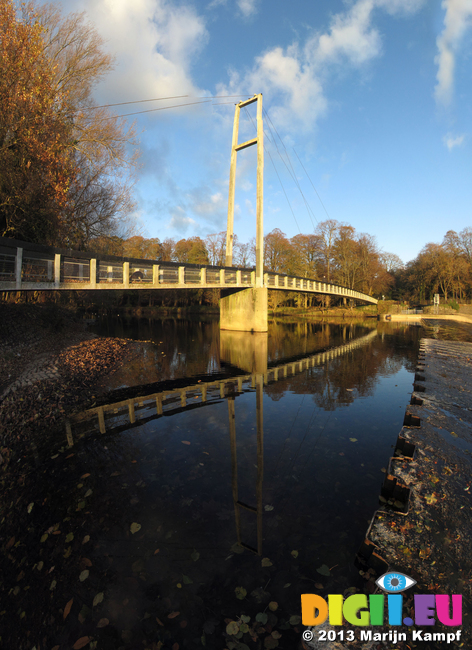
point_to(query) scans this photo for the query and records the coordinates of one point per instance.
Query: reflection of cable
(288, 436)
(315, 409)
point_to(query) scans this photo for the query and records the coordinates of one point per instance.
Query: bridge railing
(25, 266)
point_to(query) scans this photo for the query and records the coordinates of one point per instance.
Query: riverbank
(424, 527)
(50, 367)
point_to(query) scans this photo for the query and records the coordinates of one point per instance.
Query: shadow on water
(196, 512)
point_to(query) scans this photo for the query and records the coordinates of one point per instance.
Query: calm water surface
(229, 498)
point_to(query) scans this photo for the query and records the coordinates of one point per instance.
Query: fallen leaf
(186, 442)
(268, 508)
(103, 622)
(67, 609)
(195, 555)
(353, 439)
(324, 570)
(240, 592)
(85, 475)
(84, 575)
(30, 507)
(237, 548)
(173, 614)
(232, 628)
(273, 606)
(86, 539)
(134, 528)
(82, 642)
(266, 562)
(261, 618)
(69, 537)
(295, 620)
(294, 553)
(98, 599)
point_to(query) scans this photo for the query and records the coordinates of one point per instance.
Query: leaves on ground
(232, 628)
(98, 599)
(84, 575)
(134, 528)
(324, 570)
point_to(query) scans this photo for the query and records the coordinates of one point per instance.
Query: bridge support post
(244, 310)
(19, 264)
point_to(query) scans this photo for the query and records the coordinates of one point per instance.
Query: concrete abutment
(244, 310)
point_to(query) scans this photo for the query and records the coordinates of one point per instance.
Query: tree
(191, 251)
(327, 232)
(277, 251)
(306, 255)
(34, 137)
(67, 160)
(216, 248)
(346, 258)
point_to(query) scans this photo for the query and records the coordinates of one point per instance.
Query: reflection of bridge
(243, 304)
(139, 410)
(251, 355)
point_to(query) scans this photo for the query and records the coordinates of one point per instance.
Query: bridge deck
(30, 267)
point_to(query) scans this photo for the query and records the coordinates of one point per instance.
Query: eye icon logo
(394, 583)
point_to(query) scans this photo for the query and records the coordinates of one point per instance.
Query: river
(250, 481)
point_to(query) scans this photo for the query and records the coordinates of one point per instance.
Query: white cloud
(206, 205)
(294, 78)
(457, 20)
(180, 222)
(351, 36)
(155, 43)
(452, 142)
(247, 7)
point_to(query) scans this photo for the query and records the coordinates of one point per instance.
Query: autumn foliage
(61, 158)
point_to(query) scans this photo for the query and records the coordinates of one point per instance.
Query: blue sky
(374, 96)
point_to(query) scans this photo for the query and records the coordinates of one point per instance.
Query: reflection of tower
(258, 383)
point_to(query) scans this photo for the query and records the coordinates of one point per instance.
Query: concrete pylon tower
(246, 309)
(259, 141)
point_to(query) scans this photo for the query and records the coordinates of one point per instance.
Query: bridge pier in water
(244, 310)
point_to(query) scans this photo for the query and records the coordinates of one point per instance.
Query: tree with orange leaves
(64, 161)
